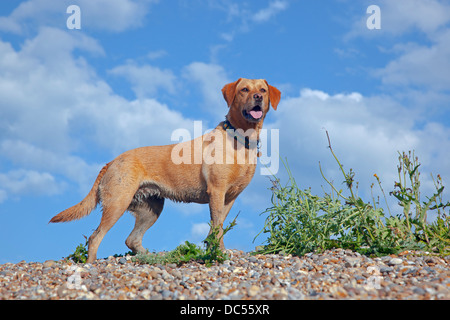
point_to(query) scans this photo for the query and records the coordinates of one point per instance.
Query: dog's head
(251, 98)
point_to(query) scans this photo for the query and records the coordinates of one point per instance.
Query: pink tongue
(256, 114)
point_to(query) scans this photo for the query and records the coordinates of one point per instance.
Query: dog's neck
(241, 123)
(241, 138)
(249, 138)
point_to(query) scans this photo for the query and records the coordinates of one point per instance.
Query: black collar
(228, 127)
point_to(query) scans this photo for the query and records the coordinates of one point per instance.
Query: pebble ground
(336, 274)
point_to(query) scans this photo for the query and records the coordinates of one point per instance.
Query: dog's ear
(274, 96)
(229, 91)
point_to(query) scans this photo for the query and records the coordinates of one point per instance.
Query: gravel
(335, 274)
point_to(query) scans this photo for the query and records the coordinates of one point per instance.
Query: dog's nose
(258, 97)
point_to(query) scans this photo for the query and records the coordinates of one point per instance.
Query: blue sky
(72, 100)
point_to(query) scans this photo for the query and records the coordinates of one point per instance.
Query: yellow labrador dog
(213, 168)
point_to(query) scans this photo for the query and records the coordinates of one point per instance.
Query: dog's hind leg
(116, 192)
(146, 213)
(110, 216)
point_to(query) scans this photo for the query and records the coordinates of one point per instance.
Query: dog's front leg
(219, 211)
(216, 208)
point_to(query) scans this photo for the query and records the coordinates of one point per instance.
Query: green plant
(191, 252)
(183, 253)
(128, 253)
(436, 235)
(80, 254)
(299, 222)
(212, 242)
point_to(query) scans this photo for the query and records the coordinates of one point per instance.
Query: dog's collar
(228, 127)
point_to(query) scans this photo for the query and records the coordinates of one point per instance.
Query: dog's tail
(86, 205)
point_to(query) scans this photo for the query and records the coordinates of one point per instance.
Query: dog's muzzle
(255, 114)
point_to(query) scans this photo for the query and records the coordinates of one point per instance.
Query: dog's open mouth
(255, 114)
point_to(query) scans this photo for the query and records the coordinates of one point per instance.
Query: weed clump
(299, 222)
(188, 252)
(184, 253)
(80, 254)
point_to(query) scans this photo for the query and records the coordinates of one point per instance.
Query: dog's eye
(244, 90)
(263, 90)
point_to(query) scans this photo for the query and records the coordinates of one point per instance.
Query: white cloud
(32, 157)
(146, 80)
(417, 63)
(200, 230)
(41, 84)
(153, 55)
(211, 78)
(114, 16)
(20, 182)
(365, 132)
(3, 195)
(242, 10)
(241, 15)
(420, 65)
(187, 209)
(135, 124)
(55, 106)
(403, 17)
(117, 15)
(274, 8)
(50, 95)
(36, 12)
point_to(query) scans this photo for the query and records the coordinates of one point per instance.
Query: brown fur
(140, 179)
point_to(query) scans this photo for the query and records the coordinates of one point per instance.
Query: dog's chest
(239, 181)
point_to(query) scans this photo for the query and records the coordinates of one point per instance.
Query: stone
(386, 269)
(49, 264)
(395, 261)
(166, 294)
(253, 291)
(240, 278)
(419, 291)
